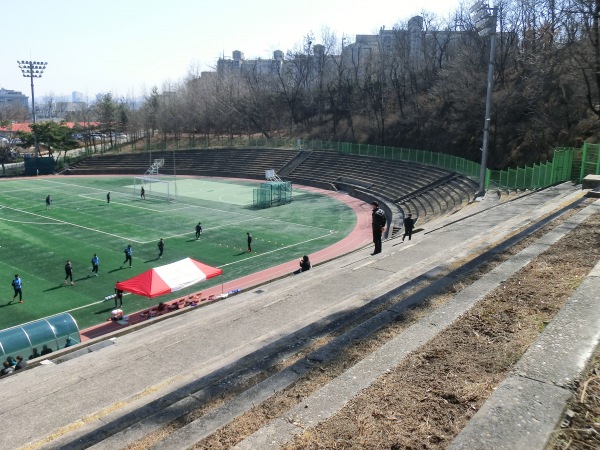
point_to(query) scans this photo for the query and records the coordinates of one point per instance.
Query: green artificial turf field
(36, 242)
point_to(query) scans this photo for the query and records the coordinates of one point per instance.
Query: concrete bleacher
(228, 162)
(388, 178)
(424, 191)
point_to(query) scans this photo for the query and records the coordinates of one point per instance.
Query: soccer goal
(156, 188)
(273, 193)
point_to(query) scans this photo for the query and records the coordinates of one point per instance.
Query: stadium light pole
(33, 69)
(485, 23)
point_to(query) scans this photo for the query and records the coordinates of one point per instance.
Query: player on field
(69, 272)
(48, 202)
(161, 247)
(95, 265)
(198, 230)
(128, 255)
(17, 285)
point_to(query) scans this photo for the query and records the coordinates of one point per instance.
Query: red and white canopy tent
(169, 278)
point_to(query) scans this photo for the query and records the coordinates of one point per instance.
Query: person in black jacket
(378, 224)
(118, 297)
(69, 272)
(161, 247)
(305, 264)
(409, 224)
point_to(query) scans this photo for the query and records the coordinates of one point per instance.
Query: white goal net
(155, 188)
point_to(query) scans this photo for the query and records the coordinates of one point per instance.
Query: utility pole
(33, 69)
(485, 22)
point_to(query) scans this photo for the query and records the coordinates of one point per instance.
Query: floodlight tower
(485, 18)
(33, 69)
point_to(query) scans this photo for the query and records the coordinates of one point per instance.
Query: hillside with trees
(546, 88)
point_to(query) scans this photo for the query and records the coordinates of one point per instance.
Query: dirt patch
(581, 424)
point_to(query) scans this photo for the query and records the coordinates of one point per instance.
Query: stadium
(246, 343)
(178, 194)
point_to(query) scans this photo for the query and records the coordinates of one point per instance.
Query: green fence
(532, 177)
(537, 176)
(566, 164)
(590, 160)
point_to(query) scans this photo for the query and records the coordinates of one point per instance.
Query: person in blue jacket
(17, 285)
(128, 256)
(95, 265)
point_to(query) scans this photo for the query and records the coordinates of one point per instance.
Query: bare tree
(582, 31)
(14, 113)
(294, 81)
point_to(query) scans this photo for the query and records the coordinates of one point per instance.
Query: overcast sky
(128, 46)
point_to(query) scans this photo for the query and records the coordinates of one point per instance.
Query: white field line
(276, 250)
(140, 207)
(203, 230)
(94, 303)
(28, 223)
(21, 190)
(71, 184)
(197, 206)
(58, 221)
(160, 211)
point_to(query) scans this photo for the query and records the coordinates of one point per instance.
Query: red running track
(358, 238)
